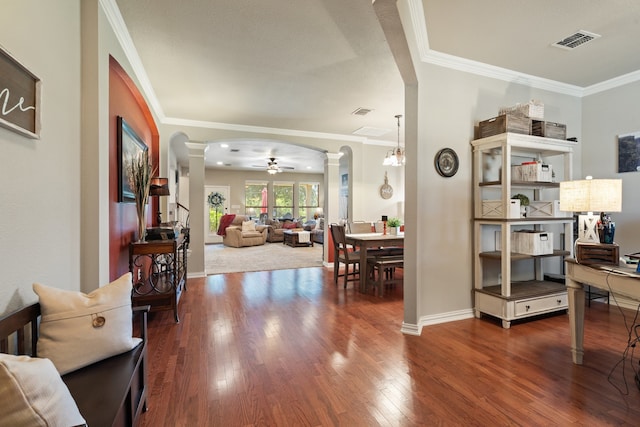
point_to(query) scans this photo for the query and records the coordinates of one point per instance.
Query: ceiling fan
(272, 166)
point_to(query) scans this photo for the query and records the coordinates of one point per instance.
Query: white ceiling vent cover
(362, 111)
(577, 39)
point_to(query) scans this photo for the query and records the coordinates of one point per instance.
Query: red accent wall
(125, 100)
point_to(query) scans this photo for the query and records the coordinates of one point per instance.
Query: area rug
(220, 259)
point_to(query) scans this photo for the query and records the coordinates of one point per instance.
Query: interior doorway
(216, 204)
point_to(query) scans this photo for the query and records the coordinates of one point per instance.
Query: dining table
(365, 241)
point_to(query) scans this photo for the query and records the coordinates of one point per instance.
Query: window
(283, 199)
(308, 199)
(255, 198)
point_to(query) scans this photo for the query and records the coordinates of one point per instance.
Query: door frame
(209, 236)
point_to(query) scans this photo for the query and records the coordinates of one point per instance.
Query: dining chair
(344, 254)
(357, 227)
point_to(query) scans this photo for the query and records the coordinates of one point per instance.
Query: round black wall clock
(446, 162)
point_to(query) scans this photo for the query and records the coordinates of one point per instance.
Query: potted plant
(394, 225)
(524, 202)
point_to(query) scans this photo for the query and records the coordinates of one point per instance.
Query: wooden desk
(619, 280)
(371, 240)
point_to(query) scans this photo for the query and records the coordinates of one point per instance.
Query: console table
(159, 270)
(619, 280)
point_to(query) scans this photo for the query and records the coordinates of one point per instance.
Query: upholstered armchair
(243, 232)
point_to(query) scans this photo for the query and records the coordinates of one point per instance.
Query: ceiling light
(396, 156)
(272, 166)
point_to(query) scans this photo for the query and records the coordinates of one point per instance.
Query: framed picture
(19, 97)
(129, 146)
(629, 152)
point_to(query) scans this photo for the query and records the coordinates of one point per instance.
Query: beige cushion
(248, 226)
(253, 233)
(79, 329)
(33, 394)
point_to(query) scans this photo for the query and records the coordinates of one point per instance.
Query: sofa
(316, 227)
(244, 232)
(276, 228)
(317, 232)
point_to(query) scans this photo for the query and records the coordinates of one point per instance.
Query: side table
(159, 270)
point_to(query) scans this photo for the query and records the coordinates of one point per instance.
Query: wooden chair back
(358, 227)
(338, 236)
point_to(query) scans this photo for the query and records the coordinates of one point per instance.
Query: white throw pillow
(248, 226)
(33, 394)
(78, 329)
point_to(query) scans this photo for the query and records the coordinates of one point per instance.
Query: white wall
(40, 192)
(605, 116)
(451, 103)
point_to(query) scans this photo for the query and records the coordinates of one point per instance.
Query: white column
(331, 196)
(195, 264)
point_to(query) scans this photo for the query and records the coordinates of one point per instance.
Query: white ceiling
(306, 65)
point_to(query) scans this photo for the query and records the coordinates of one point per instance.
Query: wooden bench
(111, 392)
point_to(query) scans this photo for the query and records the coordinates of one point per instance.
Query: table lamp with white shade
(589, 196)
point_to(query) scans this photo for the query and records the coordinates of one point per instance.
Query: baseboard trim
(434, 319)
(196, 274)
(410, 329)
(450, 316)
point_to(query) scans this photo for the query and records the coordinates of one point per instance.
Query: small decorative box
(532, 172)
(493, 209)
(530, 242)
(504, 123)
(597, 253)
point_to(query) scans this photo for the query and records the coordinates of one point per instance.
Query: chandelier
(395, 157)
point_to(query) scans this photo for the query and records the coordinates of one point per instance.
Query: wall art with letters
(19, 97)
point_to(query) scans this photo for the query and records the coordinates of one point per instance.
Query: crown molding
(270, 131)
(499, 73)
(613, 83)
(473, 67)
(119, 27)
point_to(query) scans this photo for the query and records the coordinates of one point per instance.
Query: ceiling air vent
(577, 39)
(362, 111)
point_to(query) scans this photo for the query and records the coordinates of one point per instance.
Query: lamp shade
(159, 187)
(591, 195)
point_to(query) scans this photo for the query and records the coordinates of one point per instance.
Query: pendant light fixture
(395, 157)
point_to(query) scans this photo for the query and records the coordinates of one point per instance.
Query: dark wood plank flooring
(289, 348)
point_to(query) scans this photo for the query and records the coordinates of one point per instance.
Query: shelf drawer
(540, 305)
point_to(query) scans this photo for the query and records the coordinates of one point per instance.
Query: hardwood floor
(289, 348)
